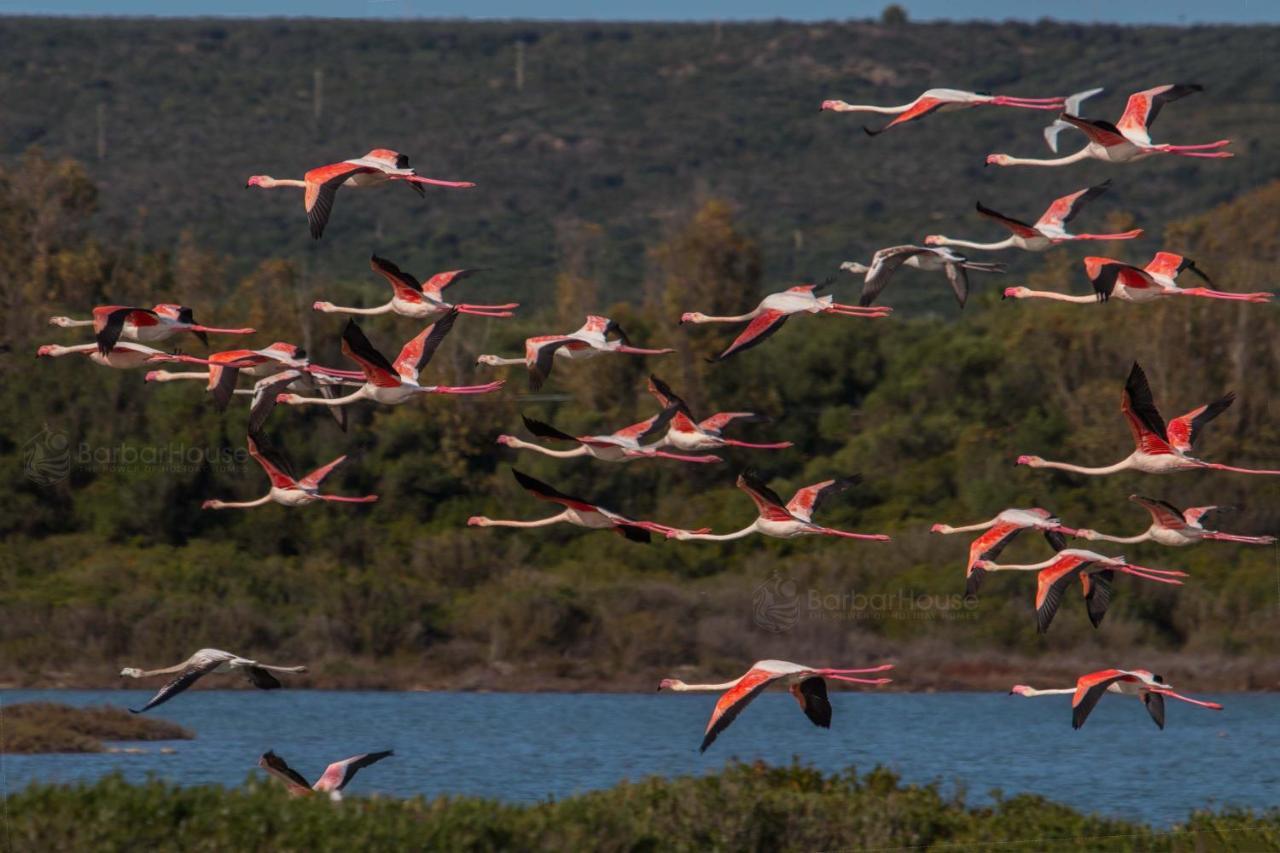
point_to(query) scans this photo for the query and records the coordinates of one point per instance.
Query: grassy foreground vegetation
(30, 727)
(745, 807)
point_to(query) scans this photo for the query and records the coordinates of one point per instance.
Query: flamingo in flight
(335, 777)
(1175, 527)
(123, 355)
(1159, 449)
(768, 317)
(1142, 683)
(807, 683)
(941, 100)
(1095, 573)
(422, 301)
(143, 325)
(624, 445)
(203, 663)
(886, 262)
(1129, 139)
(285, 489)
(784, 520)
(684, 433)
(1072, 107)
(1114, 279)
(267, 390)
(1048, 231)
(225, 369)
(589, 341)
(379, 166)
(576, 511)
(387, 382)
(1000, 531)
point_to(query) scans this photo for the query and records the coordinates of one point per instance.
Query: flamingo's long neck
(971, 528)
(723, 537)
(499, 361)
(967, 244)
(67, 322)
(681, 687)
(170, 376)
(741, 318)
(1058, 297)
(364, 312)
(1020, 567)
(1123, 540)
(1123, 465)
(1082, 154)
(546, 451)
(148, 673)
(265, 499)
(545, 522)
(271, 183)
(1057, 691)
(842, 107)
(358, 394)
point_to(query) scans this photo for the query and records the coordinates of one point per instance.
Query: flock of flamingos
(285, 376)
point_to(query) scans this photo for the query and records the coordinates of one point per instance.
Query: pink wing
(279, 479)
(1183, 431)
(756, 332)
(1064, 209)
(719, 421)
(734, 700)
(316, 477)
(1193, 514)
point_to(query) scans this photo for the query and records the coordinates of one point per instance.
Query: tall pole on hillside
(102, 131)
(520, 65)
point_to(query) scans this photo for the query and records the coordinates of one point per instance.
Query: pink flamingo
(225, 369)
(206, 662)
(684, 433)
(422, 301)
(143, 325)
(335, 777)
(1048, 231)
(1159, 449)
(379, 166)
(1000, 531)
(941, 100)
(1117, 280)
(808, 684)
(589, 341)
(1175, 527)
(624, 445)
(1142, 683)
(1129, 140)
(123, 355)
(285, 489)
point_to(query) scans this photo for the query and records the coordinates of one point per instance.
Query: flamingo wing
(884, 264)
(649, 427)
(316, 477)
(958, 277)
(1154, 702)
(1017, 226)
(1163, 513)
(276, 766)
(1106, 273)
(261, 679)
(271, 461)
(544, 492)
(733, 701)
(1051, 583)
(1169, 265)
(683, 419)
(1103, 133)
(540, 357)
(918, 110)
(109, 324)
(196, 668)
(1193, 514)
(340, 773)
(806, 501)
(812, 696)
(1097, 593)
(759, 329)
(987, 547)
(1142, 108)
(1065, 209)
(265, 391)
(767, 502)
(1089, 689)
(441, 280)
(1139, 409)
(405, 286)
(417, 352)
(1183, 431)
(717, 422)
(322, 187)
(545, 430)
(377, 370)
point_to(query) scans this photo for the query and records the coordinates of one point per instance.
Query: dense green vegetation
(620, 127)
(746, 807)
(54, 727)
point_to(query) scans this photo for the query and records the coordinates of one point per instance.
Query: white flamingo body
(1114, 279)
(205, 662)
(1152, 689)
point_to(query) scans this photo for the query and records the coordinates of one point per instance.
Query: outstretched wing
(921, 108)
(263, 402)
(1183, 431)
(261, 679)
(1154, 703)
(1103, 133)
(1193, 514)
(544, 492)
(717, 422)
(958, 277)
(1163, 513)
(884, 264)
(806, 501)
(1169, 265)
(316, 477)
(322, 187)
(405, 286)
(1105, 274)
(812, 696)
(1065, 209)
(546, 430)
(987, 547)
(766, 499)
(1139, 409)
(757, 331)
(271, 461)
(733, 701)
(1097, 593)
(543, 351)
(109, 320)
(340, 773)
(1142, 108)
(417, 352)
(1017, 226)
(649, 427)
(377, 370)
(276, 766)
(1089, 689)
(1051, 583)
(195, 670)
(438, 282)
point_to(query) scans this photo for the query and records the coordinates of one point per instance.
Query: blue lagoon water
(530, 747)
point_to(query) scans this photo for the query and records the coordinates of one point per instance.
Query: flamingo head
(998, 159)
(491, 360)
(940, 528)
(213, 504)
(64, 322)
(985, 565)
(692, 317)
(854, 267)
(1016, 293)
(1031, 461)
(833, 105)
(48, 350)
(477, 521)
(934, 240)
(154, 376)
(130, 672)
(1085, 533)
(287, 399)
(322, 306)
(1020, 690)
(507, 440)
(259, 181)
(670, 684)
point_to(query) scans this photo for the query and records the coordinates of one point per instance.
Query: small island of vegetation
(31, 727)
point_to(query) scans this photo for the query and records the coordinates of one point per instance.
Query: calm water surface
(529, 747)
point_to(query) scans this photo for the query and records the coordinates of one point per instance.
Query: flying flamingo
(1150, 688)
(1159, 449)
(576, 511)
(379, 166)
(1048, 231)
(941, 100)
(385, 382)
(1129, 140)
(624, 445)
(1000, 531)
(202, 663)
(784, 520)
(423, 301)
(1072, 107)
(143, 325)
(335, 777)
(1095, 573)
(122, 356)
(684, 433)
(885, 263)
(591, 340)
(285, 489)
(268, 389)
(1175, 527)
(1117, 280)
(225, 369)
(768, 317)
(807, 683)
